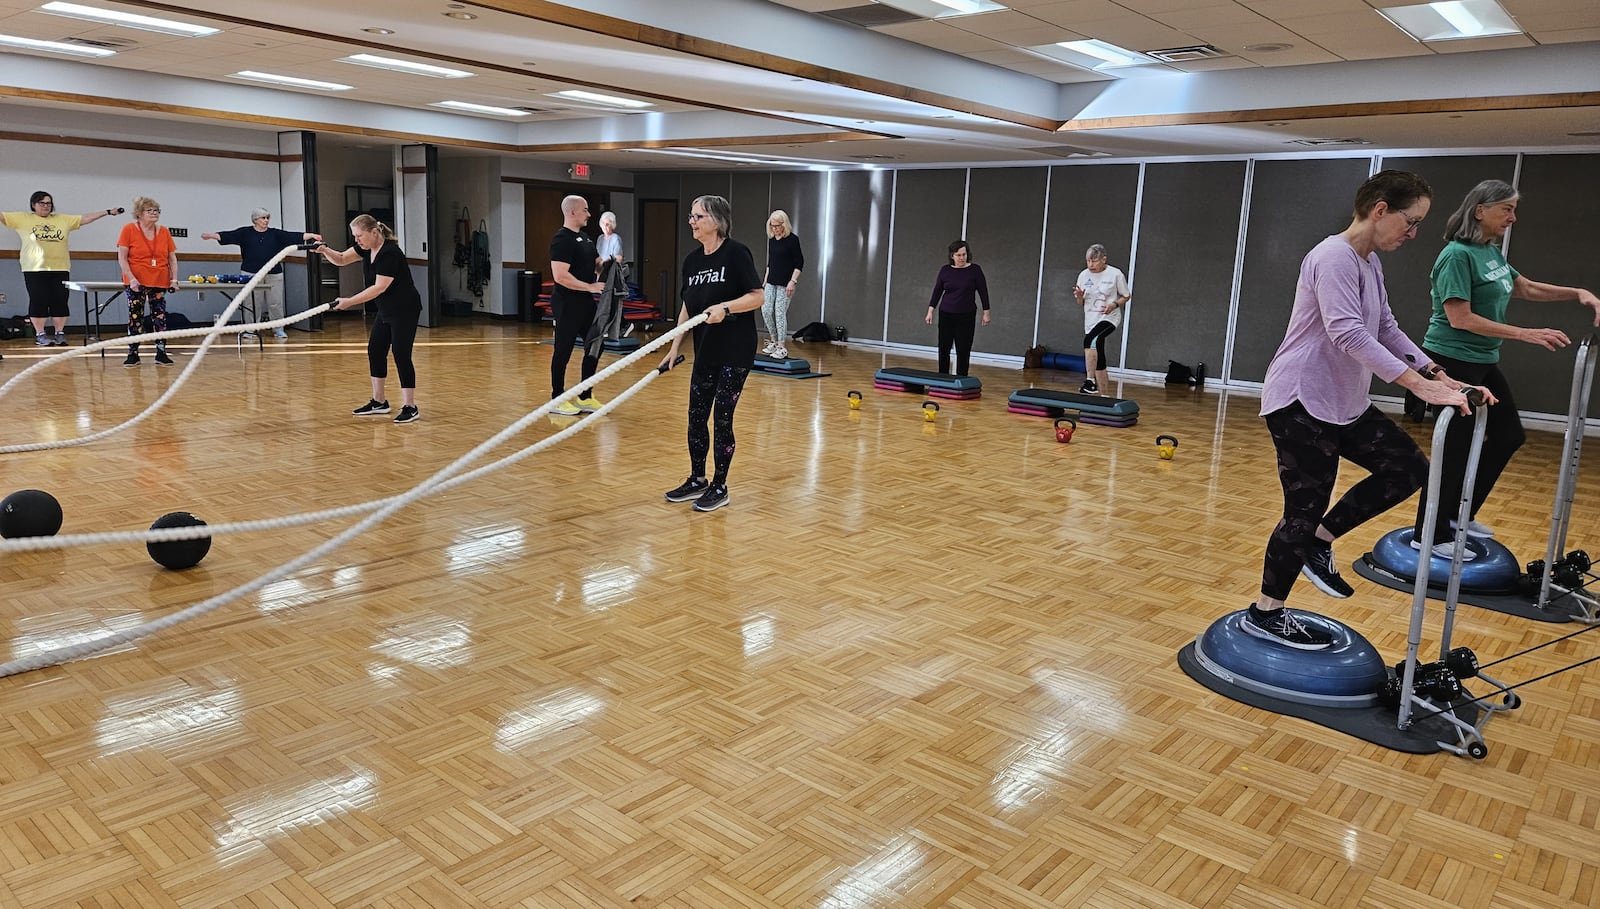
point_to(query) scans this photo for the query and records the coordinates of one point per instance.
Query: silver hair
(1463, 222)
(609, 217)
(259, 213)
(1096, 251)
(718, 210)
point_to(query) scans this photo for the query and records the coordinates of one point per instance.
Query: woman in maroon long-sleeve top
(955, 294)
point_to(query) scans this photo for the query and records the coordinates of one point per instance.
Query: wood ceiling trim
(1337, 111)
(147, 146)
(599, 24)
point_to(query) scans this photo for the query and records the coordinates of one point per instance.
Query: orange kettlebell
(1166, 447)
(855, 399)
(930, 410)
(1064, 432)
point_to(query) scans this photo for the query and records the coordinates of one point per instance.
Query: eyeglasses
(47, 202)
(151, 211)
(694, 217)
(1411, 223)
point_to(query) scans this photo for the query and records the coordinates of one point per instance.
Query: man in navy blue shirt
(258, 243)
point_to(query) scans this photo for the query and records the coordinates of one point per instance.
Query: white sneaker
(1474, 529)
(1447, 551)
(771, 346)
(780, 353)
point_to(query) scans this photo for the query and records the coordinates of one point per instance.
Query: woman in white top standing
(1102, 291)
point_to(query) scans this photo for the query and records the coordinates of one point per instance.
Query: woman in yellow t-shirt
(45, 264)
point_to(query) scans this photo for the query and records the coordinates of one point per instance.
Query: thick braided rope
(210, 334)
(58, 656)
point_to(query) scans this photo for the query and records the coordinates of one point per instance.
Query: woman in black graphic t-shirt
(720, 280)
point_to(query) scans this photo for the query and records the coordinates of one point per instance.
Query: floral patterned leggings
(153, 299)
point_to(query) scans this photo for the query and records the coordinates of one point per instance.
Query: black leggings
(1308, 464)
(1096, 338)
(573, 319)
(399, 337)
(718, 390)
(956, 328)
(47, 294)
(1502, 436)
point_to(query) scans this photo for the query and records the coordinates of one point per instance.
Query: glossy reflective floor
(911, 664)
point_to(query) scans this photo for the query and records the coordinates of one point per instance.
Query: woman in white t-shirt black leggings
(1102, 291)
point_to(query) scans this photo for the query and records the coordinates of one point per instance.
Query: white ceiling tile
(1365, 46)
(1567, 36)
(1192, 19)
(1136, 33)
(1467, 45)
(1201, 66)
(1068, 14)
(1339, 23)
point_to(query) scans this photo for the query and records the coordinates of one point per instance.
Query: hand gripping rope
(446, 478)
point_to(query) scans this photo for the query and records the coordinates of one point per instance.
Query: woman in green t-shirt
(1472, 286)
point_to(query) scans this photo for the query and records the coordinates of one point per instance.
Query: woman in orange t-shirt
(149, 261)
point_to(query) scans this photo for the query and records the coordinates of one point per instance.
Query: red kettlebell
(1064, 429)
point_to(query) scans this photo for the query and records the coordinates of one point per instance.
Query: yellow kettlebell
(197, 279)
(1166, 447)
(930, 410)
(855, 399)
(211, 279)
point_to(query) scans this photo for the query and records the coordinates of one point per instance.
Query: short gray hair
(1463, 223)
(1096, 251)
(259, 213)
(718, 210)
(609, 217)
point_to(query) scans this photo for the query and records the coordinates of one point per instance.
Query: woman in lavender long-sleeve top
(1341, 333)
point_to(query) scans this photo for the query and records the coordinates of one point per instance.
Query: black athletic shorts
(47, 296)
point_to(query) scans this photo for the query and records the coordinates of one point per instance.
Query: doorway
(658, 253)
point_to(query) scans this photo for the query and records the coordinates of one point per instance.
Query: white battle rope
(438, 482)
(211, 334)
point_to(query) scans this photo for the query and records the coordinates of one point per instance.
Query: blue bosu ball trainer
(1346, 674)
(1495, 570)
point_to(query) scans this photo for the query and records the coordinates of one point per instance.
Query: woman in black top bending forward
(389, 282)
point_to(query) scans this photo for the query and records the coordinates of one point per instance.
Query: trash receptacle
(527, 293)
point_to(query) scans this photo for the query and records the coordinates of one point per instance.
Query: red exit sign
(578, 171)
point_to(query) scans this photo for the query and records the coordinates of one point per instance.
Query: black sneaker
(371, 409)
(713, 498)
(131, 360)
(1320, 570)
(408, 414)
(1088, 387)
(162, 359)
(691, 489)
(1282, 627)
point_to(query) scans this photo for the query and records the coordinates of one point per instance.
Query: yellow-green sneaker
(589, 404)
(568, 408)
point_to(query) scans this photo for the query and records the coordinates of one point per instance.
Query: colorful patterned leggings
(1308, 464)
(154, 301)
(716, 394)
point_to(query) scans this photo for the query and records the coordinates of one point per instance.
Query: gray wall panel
(1092, 203)
(858, 262)
(1549, 244)
(1294, 205)
(1005, 219)
(1188, 233)
(750, 200)
(927, 217)
(803, 197)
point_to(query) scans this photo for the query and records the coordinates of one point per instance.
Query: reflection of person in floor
(1102, 291)
(1342, 333)
(1472, 285)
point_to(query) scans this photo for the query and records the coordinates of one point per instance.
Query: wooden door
(658, 253)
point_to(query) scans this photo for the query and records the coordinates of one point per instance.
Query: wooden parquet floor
(922, 665)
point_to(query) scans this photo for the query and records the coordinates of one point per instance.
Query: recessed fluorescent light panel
(596, 98)
(131, 20)
(405, 66)
(471, 108)
(1452, 20)
(944, 9)
(1093, 54)
(54, 47)
(291, 81)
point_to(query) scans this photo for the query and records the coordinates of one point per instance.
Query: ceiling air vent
(872, 15)
(1324, 143)
(1067, 151)
(1185, 54)
(874, 157)
(111, 43)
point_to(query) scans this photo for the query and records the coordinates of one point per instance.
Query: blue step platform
(1494, 570)
(1347, 674)
(1051, 400)
(918, 381)
(787, 364)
